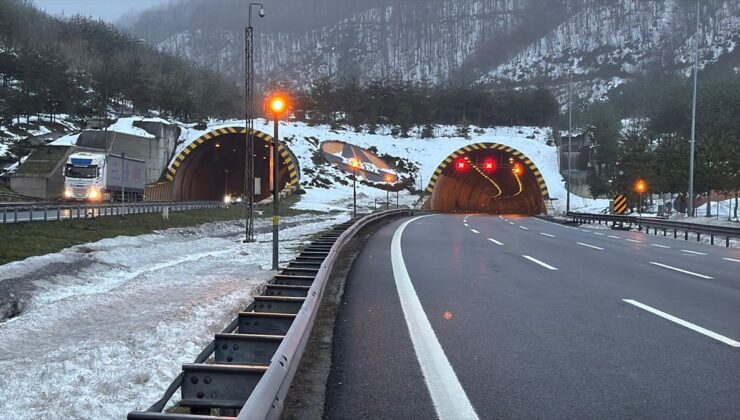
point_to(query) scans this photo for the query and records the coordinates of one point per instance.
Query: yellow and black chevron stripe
(620, 204)
(477, 146)
(289, 159)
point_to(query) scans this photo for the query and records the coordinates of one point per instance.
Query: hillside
(83, 68)
(521, 43)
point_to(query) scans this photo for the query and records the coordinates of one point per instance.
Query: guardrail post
(727, 241)
(59, 213)
(46, 213)
(698, 236)
(15, 218)
(5, 215)
(711, 239)
(686, 235)
(674, 233)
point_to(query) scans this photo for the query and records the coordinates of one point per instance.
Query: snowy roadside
(109, 323)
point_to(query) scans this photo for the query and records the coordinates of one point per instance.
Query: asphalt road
(530, 319)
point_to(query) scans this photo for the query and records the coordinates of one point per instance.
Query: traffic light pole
(275, 195)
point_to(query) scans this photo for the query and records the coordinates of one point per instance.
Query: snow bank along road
(512, 317)
(108, 325)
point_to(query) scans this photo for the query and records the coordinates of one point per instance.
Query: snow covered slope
(328, 188)
(605, 43)
(107, 325)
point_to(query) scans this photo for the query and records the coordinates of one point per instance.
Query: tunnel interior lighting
(489, 165)
(461, 165)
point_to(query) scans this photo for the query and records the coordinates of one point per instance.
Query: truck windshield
(82, 171)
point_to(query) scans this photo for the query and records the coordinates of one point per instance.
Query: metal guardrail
(267, 398)
(728, 232)
(43, 212)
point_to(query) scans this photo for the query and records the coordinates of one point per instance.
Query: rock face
(519, 42)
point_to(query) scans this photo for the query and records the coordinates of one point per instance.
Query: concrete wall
(153, 151)
(30, 185)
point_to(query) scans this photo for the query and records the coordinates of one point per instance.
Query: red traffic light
(461, 165)
(489, 165)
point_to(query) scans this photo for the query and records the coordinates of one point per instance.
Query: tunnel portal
(213, 166)
(488, 178)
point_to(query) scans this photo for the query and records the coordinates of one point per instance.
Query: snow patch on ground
(108, 336)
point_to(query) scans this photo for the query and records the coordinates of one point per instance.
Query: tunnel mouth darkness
(488, 178)
(213, 166)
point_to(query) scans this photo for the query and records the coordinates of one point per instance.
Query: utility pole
(693, 116)
(249, 125)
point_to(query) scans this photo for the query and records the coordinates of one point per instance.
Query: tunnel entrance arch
(213, 165)
(461, 182)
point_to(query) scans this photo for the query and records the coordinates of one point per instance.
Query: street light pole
(570, 137)
(693, 116)
(249, 123)
(278, 105)
(226, 182)
(275, 195)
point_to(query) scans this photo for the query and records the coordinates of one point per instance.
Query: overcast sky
(108, 10)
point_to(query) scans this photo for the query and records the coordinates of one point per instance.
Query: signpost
(620, 204)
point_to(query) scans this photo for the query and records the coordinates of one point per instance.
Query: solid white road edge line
(450, 400)
(499, 243)
(682, 271)
(686, 324)
(693, 252)
(547, 234)
(590, 246)
(536, 261)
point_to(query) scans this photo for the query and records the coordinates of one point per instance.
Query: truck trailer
(103, 177)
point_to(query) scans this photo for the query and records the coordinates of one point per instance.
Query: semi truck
(103, 177)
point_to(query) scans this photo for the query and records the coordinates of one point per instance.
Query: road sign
(620, 204)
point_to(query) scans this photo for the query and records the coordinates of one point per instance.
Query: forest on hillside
(403, 104)
(643, 131)
(77, 66)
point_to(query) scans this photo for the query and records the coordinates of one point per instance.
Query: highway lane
(540, 320)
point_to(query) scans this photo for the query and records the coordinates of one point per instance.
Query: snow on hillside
(423, 154)
(608, 42)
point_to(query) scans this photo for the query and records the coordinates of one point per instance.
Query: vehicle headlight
(68, 192)
(93, 194)
(227, 199)
(238, 199)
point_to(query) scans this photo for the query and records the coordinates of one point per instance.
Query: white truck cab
(84, 177)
